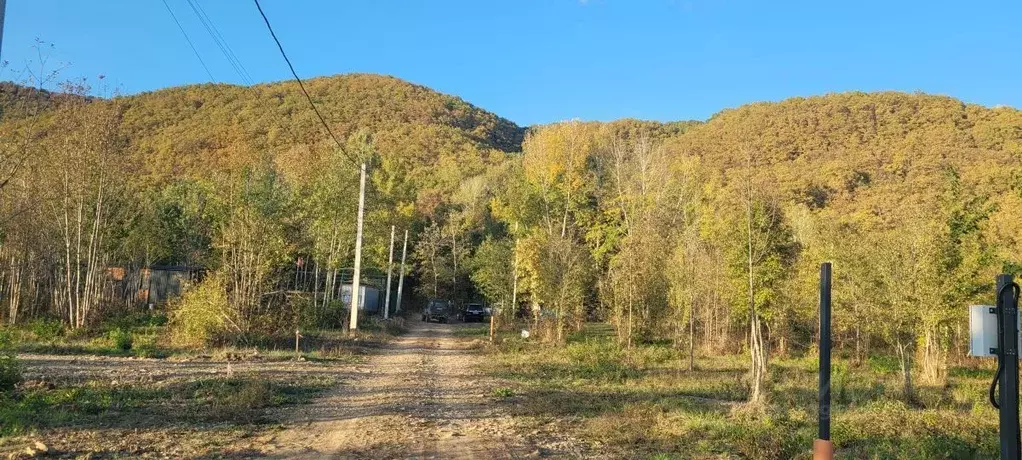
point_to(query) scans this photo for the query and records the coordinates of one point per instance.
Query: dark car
(474, 312)
(436, 310)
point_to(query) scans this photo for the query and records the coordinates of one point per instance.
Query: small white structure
(983, 331)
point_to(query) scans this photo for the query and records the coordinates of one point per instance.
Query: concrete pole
(390, 268)
(356, 281)
(514, 275)
(401, 277)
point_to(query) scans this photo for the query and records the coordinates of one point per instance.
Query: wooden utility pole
(390, 267)
(401, 277)
(3, 6)
(356, 281)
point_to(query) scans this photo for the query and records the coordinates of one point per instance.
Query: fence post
(823, 448)
(1007, 356)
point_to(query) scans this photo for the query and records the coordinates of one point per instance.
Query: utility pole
(390, 268)
(514, 275)
(356, 281)
(3, 6)
(401, 277)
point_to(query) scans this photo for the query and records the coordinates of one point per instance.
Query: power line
(189, 40)
(220, 41)
(302, 85)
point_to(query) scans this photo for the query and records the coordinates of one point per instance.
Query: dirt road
(419, 397)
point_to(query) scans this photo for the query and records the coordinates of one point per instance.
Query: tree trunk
(904, 359)
(691, 338)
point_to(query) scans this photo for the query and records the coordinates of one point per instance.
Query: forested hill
(864, 152)
(199, 174)
(190, 127)
(201, 128)
(18, 101)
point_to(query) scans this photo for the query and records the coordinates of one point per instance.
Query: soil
(421, 395)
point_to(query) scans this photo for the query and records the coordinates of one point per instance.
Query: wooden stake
(491, 326)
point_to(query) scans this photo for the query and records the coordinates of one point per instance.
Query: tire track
(420, 398)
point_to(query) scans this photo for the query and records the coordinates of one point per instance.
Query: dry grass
(644, 402)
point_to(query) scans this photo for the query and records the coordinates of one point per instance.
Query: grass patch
(645, 403)
(234, 400)
(146, 336)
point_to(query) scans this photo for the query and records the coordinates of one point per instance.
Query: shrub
(144, 345)
(201, 315)
(312, 315)
(46, 330)
(10, 368)
(120, 339)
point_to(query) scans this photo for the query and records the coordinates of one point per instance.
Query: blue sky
(538, 61)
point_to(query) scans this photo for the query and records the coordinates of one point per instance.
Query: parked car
(436, 310)
(474, 312)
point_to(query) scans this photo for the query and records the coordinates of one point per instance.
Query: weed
(503, 392)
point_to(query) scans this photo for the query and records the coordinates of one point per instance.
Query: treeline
(705, 235)
(238, 183)
(712, 238)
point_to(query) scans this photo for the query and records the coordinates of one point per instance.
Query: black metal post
(824, 417)
(1007, 353)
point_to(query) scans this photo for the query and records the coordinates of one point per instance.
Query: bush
(137, 319)
(144, 345)
(311, 315)
(46, 330)
(10, 368)
(120, 339)
(201, 315)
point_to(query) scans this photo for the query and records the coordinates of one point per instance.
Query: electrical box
(983, 331)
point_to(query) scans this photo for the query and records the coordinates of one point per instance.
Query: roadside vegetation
(151, 337)
(644, 401)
